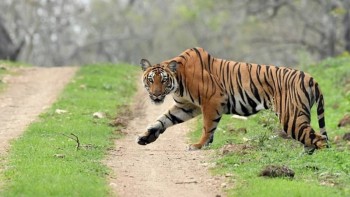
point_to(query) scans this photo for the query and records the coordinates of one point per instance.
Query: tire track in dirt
(28, 93)
(163, 168)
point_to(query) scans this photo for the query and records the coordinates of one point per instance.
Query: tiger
(202, 84)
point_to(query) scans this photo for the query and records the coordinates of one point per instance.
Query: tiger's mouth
(157, 99)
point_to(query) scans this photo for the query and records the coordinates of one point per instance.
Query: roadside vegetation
(245, 147)
(6, 68)
(60, 154)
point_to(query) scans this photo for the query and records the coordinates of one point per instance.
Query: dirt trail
(163, 168)
(29, 92)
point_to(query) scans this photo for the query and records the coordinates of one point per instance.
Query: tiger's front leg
(178, 113)
(211, 118)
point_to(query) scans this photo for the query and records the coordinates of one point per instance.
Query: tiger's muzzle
(157, 99)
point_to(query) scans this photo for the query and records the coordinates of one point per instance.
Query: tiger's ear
(173, 66)
(145, 64)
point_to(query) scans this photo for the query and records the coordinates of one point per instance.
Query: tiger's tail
(320, 110)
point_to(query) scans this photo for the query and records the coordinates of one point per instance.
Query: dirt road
(28, 93)
(163, 168)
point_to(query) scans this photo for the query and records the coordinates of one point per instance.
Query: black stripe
(181, 86)
(301, 132)
(221, 63)
(213, 87)
(199, 97)
(209, 63)
(258, 76)
(161, 123)
(217, 120)
(168, 117)
(174, 119)
(317, 92)
(228, 104)
(176, 101)
(183, 57)
(187, 111)
(254, 90)
(320, 108)
(321, 123)
(191, 97)
(244, 109)
(228, 73)
(268, 84)
(201, 60)
(285, 127)
(251, 103)
(212, 61)
(212, 130)
(294, 124)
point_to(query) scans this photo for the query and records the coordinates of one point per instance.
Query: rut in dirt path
(28, 93)
(163, 168)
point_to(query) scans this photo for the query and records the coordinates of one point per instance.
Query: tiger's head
(159, 79)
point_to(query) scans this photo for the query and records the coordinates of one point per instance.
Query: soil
(28, 93)
(164, 167)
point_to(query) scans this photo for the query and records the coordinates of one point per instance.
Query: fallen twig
(76, 139)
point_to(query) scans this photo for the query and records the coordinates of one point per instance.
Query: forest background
(280, 32)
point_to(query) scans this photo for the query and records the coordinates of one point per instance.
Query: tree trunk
(346, 23)
(8, 50)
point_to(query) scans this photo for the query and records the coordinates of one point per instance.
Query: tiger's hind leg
(178, 113)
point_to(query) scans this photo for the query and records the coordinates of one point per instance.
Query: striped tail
(320, 110)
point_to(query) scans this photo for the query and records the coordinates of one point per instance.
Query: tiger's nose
(157, 93)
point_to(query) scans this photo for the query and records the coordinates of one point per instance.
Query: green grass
(325, 173)
(45, 162)
(5, 69)
(13, 64)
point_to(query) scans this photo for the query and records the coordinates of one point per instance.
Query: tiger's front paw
(194, 147)
(147, 138)
(150, 135)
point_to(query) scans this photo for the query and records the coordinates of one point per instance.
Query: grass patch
(6, 69)
(8, 63)
(44, 162)
(245, 147)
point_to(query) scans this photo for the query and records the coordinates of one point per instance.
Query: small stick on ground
(76, 139)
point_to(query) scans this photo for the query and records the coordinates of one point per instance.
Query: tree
(61, 32)
(8, 50)
(317, 24)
